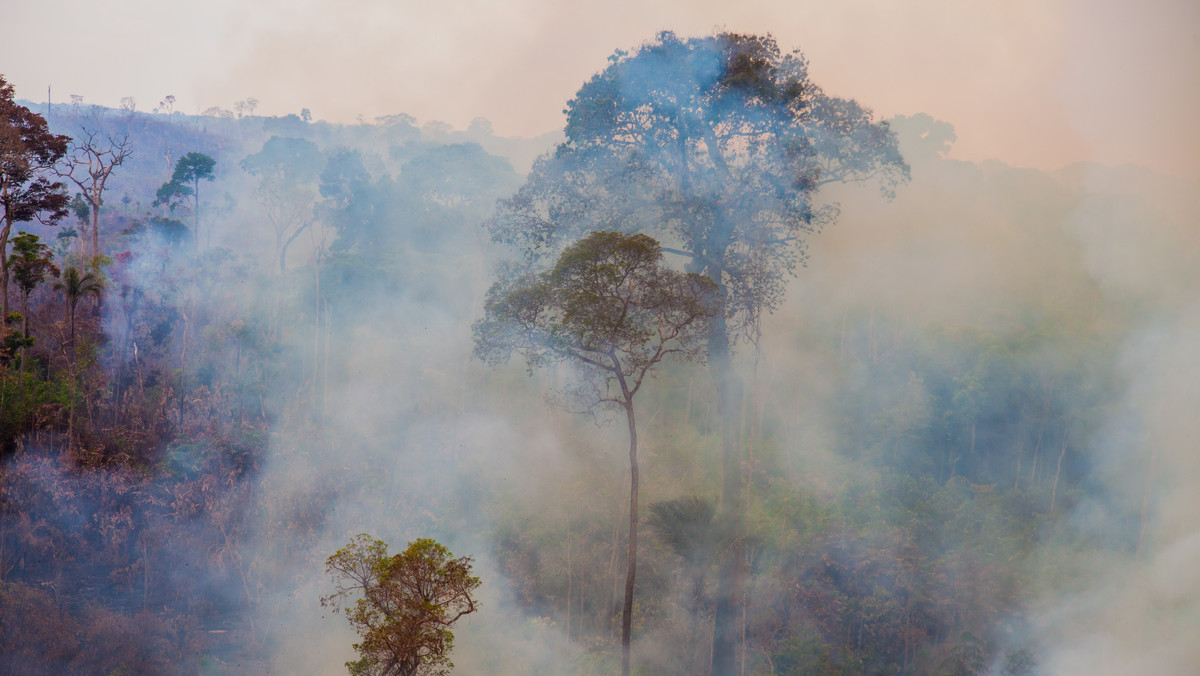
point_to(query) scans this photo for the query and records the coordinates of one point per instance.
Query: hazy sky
(1033, 82)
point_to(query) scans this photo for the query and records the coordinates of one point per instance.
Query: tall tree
(715, 145)
(286, 169)
(612, 309)
(94, 154)
(28, 153)
(185, 182)
(31, 262)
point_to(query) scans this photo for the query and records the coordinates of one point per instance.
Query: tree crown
(609, 305)
(404, 604)
(715, 145)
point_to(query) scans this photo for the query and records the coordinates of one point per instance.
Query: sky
(1038, 83)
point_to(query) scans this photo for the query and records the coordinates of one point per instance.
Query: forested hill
(967, 418)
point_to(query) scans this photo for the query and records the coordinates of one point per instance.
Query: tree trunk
(196, 218)
(570, 579)
(96, 226)
(24, 330)
(1058, 471)
(730, 574)
(627, 609)
(4, 232)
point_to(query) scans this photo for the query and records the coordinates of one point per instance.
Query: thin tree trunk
(570, 580)
(4, 232)
(1058, 471)
(730, 576)
(627, 609)
(24, 331)
(96, 226)
(183, 368)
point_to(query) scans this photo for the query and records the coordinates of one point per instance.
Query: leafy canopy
(31, 261)
(609, 305)
(716, 145)
(404, 604)
(28, 152)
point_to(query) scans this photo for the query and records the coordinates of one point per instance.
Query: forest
(909, 414)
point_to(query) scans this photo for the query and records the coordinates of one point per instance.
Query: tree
(286, 168)
(245, 107)
(28, 152)
(716, 146)
(31, 261)
(612, 309)
(74, 285)
(184, 183)
(404, 604)
(93, 157)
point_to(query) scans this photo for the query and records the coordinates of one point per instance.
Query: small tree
(75, 285)
(31, 262)
(405, 604)
(611, 308)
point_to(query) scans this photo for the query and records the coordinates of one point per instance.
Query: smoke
(991, 327)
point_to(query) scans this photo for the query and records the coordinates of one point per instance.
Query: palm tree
(75, 286)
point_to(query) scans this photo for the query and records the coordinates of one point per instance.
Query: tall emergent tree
(94, 155)
(28, 152)
(404, 605)
(286, 169)
(611, 308)
(185, 182)
(31, 262)
(716, 146)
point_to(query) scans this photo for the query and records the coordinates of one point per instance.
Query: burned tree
(94, 154)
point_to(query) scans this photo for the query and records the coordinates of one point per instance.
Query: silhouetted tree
(94, 154)
(611, 308)
(716, 146)
(286, 169)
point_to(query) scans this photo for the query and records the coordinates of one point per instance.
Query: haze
(1039, 84)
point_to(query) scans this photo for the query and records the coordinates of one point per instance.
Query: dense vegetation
(280, 357)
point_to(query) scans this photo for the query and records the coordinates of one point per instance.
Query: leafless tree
(94, 154)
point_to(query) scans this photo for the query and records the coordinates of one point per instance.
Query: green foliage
(192, 168)
(31, 262)
(288, 161)
(686, 527)
(405, 604)
(715, 146)
(608, 305)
